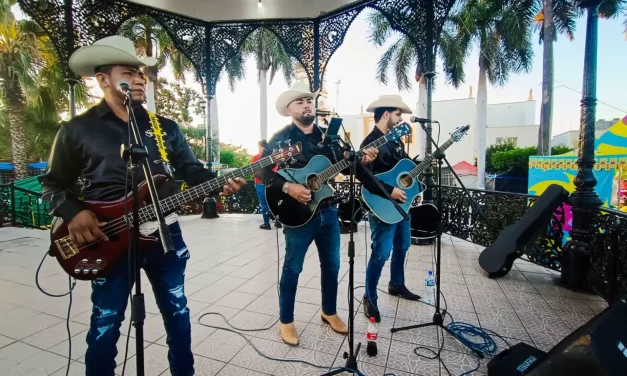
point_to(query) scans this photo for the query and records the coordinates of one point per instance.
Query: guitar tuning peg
(288, 142)
(278, 143)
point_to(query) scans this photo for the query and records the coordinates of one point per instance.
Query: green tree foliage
(178, 102)
(234, 156)
(508, 159)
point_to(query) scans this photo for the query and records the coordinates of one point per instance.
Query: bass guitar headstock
(283, 154)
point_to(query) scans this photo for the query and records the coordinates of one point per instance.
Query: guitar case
(497, 259)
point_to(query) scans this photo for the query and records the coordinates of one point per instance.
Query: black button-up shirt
(89, 146)
(389, 155)
(311, 146)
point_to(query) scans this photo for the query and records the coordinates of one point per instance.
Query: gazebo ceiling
(238, 10)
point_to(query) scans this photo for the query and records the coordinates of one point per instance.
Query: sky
(355, 63)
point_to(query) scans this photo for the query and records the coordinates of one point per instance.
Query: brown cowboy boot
(289, 334)
(335, 322)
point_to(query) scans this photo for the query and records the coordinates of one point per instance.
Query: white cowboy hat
(393, 101)
(299, 90)
(115, 50)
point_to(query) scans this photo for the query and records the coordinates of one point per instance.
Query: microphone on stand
(416, 119)
(324, 112)
(123, 87)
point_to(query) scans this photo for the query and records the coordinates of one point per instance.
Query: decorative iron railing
(608, 275)
(23, 208)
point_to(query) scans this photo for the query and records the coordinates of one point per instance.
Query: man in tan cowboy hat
(388, 110)
(323, 228)
(89, 146)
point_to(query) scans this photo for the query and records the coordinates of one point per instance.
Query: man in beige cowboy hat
(323, 228)
(89, 146)
(386, 238)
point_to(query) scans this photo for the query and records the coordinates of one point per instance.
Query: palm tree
(31, 82)
(151, 39)
(503, 33)
(556, 16)
(402, 56)
(270, 56)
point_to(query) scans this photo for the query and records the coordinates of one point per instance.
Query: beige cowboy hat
(393, 101)
(106, 51)
(299, 90)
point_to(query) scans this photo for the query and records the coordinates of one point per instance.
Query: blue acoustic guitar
(404, 176)
(315, 176)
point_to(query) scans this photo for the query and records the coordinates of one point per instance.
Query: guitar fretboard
(332, 171)
(147, 213)
(422, 166)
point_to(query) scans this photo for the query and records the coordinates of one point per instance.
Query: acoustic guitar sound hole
(313, 183)
(405, 181)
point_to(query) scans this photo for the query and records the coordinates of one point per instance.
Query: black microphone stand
(438, 316)
(351, 355)
(137, 153)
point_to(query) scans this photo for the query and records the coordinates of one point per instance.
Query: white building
(506, 121)
(571, 138)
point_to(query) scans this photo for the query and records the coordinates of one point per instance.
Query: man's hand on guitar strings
(233, 186)
(300, 193)
(399, 195)
(85, 228)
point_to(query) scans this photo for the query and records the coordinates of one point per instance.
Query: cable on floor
(71, 285)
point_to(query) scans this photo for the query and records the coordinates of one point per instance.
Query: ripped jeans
(110, 296)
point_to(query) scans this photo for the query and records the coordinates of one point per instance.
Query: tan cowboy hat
(299, 90)
(393, 101)
(115, 50)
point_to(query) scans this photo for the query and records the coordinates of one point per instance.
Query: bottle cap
(372, 320)
(430, 272)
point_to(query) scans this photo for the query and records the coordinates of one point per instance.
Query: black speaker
(497, 259)
(598, 348)
(515, 361)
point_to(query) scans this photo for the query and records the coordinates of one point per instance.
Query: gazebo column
(429, 76)
(585, 201)
(70, 79)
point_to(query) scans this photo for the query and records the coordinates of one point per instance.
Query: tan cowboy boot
(289, 334)
(335, 322)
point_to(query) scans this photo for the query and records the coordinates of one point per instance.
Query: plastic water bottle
(371, 336)
(430, 288)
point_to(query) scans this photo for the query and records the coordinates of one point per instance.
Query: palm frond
(384, 62)
(454, 50)
(565, 17)
(403, 60)
(235, 71)
(611, 8)
(380, 28)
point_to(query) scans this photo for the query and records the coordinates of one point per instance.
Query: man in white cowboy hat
(386, 238)
(323, 228)
(89, 146)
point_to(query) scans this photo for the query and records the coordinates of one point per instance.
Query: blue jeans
(387, 238)
(109, 296)
(324, 229)
(261, 194)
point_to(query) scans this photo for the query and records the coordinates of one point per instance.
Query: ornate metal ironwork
(501, 210)
(608, 273)
(22, 207)
(6, 219)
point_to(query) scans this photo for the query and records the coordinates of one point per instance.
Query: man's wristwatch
(286, 187)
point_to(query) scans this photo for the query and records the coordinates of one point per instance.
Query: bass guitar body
(289, 211)
(93, 260)
(398, 177)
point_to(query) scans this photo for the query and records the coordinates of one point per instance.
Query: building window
(507, 140)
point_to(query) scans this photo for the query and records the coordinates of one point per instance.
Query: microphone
(324, 112)
(415, 119)
(123, 87)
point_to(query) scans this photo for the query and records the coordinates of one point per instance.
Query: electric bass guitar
(93, 260)
(315, 176)
(404, 176)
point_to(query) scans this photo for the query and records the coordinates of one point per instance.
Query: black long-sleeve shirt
(88, 146)
(311, 146)
(388, 157)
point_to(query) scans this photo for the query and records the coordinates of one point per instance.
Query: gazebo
(209, 33)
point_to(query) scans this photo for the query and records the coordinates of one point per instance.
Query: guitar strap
(157, 131)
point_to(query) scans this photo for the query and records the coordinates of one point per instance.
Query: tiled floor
(233, 271)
